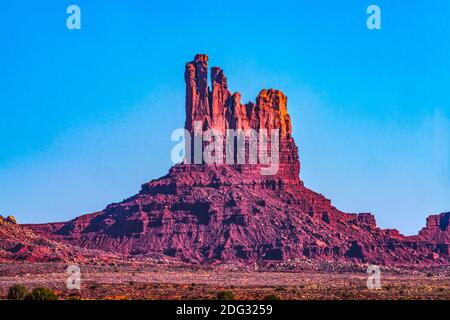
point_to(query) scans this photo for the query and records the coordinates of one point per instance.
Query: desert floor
(156, 282)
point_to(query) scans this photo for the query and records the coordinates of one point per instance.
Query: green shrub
(17, 292)
(225, 295)
(41, 294)
(272, 297)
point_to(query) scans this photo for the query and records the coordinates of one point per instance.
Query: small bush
(17, 292)
(73, 296)
(41, 294)
(348, 295)
(272, 297)
(94, 286)
(225, 295)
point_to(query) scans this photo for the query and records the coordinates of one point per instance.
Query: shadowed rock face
(209, 213)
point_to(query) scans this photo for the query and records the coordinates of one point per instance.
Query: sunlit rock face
(218, 109)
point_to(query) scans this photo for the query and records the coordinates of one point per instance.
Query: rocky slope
(19, 243)
(208, 213)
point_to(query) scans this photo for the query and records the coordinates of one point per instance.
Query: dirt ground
(150, 282)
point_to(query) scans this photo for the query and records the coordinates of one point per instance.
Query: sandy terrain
(156, 282)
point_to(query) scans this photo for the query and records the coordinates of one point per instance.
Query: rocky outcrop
(208, 213)
(22, 244)
(19, 243)
(437, 228)
(10, 219)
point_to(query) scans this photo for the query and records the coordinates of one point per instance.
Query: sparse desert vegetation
(152, 282)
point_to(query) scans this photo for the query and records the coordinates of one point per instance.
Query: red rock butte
(218, 213)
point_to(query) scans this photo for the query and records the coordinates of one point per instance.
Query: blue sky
(86, 115)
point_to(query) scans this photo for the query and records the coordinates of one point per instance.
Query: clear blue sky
(86, 116)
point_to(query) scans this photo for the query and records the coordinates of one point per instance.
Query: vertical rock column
(197, 100)
(218, 98)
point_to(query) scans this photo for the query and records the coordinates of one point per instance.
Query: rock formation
(437, 229)
(19, 243)
(204, 213)
(220, 109)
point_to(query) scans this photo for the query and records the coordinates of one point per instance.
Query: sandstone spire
(197, 101)
(219, 97)
(218, 108)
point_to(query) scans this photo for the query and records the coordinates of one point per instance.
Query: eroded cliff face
(205, 213)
